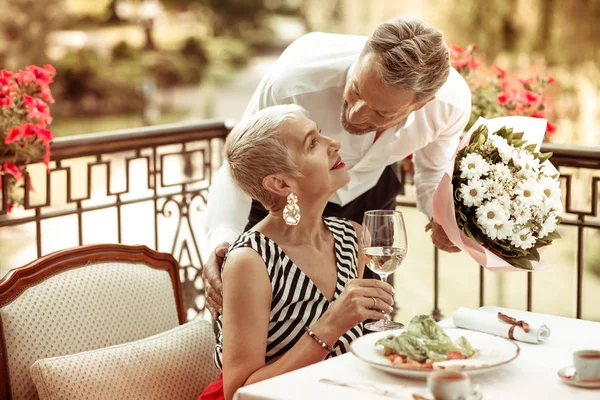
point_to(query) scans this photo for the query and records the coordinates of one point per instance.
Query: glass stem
(386, 320)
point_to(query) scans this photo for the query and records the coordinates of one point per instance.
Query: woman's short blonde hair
(255, 149)
(412, 55)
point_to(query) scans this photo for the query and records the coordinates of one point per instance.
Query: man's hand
(213, 285)
(439, 238)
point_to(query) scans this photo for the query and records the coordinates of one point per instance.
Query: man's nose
(358, 113)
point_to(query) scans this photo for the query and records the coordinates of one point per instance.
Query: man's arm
(430, 163)
(432, 160)
(226, 213)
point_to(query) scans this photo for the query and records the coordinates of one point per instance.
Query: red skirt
(214, 391)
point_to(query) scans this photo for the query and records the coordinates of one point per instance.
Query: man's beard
(348, 127)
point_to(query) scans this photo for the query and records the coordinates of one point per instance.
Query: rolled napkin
(501, 325)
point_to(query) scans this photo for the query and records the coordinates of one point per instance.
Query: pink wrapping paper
(444, 215)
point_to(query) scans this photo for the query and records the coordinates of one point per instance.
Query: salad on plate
(424, 344)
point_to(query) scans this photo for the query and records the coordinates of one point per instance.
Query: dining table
(532, 375)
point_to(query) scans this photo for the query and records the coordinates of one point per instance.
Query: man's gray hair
(255, 149)
(412, 55)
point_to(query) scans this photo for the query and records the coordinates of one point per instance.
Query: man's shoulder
(455, 93)
(314, 62)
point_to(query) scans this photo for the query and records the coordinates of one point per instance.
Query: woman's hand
(361, 299)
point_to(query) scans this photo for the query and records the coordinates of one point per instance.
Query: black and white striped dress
(296, 300)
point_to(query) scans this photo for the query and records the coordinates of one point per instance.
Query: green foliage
(124, 51)
(84, 85)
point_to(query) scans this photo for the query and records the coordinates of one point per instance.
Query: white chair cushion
(82, 309)
(177, 364)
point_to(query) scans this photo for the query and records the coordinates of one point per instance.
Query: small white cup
(449, 385)
(587, 365)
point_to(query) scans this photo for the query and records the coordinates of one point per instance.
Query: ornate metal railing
(137, 186)
(149, 185)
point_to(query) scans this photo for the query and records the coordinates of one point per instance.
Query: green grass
(79, 125)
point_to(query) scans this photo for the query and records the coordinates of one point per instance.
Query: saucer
(567, 375)
(425, 394)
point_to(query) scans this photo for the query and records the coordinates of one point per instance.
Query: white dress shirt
(312, 73)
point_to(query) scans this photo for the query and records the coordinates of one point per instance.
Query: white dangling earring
(291, 211)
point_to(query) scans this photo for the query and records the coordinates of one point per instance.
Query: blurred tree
(24, 29)
(228, 16)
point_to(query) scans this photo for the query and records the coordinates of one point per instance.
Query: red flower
(550, 128)
(12, 169)
(531, 97)
(538, 114)
(6, 74)
(5, 99)
(15, 134)
(551, 79)
(499, 71)
(24, 77)
(9, 207)
(43, 76)
(503, 98)
(44, 135)
(46, 95)
(526, 81)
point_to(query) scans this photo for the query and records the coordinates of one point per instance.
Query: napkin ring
(514, 323)
(318, 340)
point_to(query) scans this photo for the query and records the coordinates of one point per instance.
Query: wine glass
(384, 245)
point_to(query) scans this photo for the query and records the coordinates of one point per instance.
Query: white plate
(494, 351)
(567, 374)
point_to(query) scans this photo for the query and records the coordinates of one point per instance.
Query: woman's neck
(309, 231)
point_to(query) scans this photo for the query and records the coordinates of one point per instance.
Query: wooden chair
(83, 299)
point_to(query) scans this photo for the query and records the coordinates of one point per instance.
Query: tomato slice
(455, 355)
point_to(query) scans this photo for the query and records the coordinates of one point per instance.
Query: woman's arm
(247, 305)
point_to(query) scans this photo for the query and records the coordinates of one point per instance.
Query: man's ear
(277, 185)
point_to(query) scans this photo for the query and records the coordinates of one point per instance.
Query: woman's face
(316, 157)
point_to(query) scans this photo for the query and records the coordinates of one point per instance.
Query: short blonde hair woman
(292, 288)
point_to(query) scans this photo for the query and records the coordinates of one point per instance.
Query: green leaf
(518, 142)
(518, 136)
(544, 157)
(552, 236)
(531, 147)
(533, 255)
(521, 262)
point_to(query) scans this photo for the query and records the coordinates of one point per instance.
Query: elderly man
(384, 98)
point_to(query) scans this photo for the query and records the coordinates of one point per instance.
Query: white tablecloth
(532, 376)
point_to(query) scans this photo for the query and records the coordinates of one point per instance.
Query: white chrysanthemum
(472, 193)
(550, 191)
(501, 229)
(489, 214)
(521, 212)
(506, 150)
(473, 166)
(529, 165)
(500, 170)
(528, 192)
(548, 169)
(549, 225)
(523, 239)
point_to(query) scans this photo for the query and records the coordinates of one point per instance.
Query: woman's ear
(277, 185)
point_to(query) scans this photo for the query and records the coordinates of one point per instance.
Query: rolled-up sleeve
(431, 161)
(226, 213)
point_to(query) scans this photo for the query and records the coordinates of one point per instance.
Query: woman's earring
(291, 211)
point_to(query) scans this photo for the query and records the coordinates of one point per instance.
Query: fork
(366, 386)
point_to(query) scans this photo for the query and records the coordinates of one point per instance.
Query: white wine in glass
(384, 245)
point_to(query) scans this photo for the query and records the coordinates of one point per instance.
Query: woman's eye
(313, 143)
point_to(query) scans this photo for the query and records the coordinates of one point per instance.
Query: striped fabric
(296, 300)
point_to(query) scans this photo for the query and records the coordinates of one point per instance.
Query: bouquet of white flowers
(503, 200)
